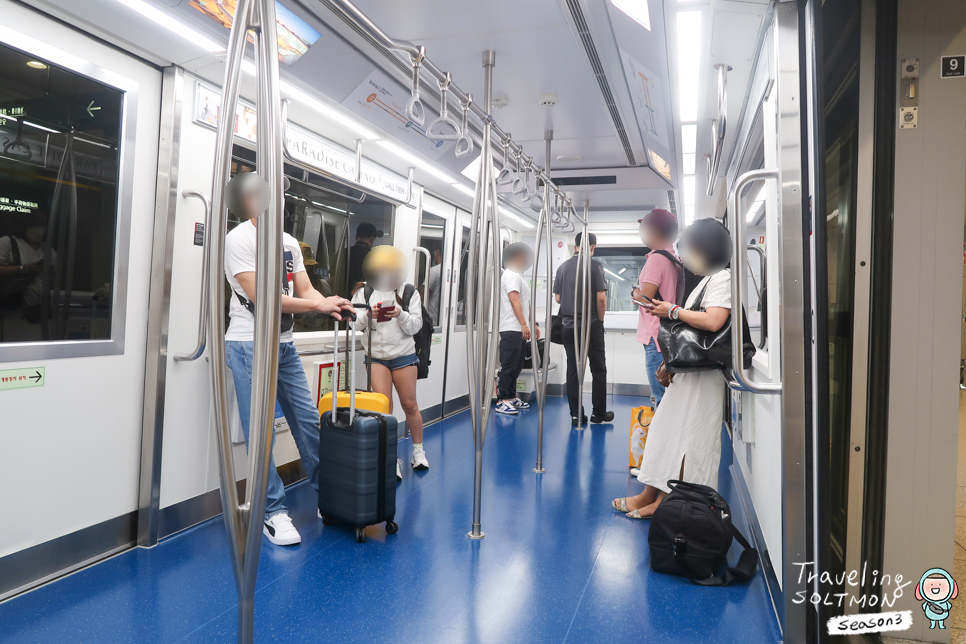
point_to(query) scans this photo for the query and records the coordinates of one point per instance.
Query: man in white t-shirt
(293, 395)
(514, 331)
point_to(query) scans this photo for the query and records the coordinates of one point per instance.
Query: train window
(334, 228)
(432, 233)
(58, 201)
(463, 264)
(622, 266)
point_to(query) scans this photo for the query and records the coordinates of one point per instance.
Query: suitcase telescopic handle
(350, 317)
(365, 305)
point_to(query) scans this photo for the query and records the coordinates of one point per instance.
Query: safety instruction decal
(22, 378)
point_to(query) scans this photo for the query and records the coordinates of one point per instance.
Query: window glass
(463, 263)
(334, 228)
(432, 233)
(622, 266)
(58, 201)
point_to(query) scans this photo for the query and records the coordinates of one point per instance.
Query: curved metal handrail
(739, 268)
(203, 309)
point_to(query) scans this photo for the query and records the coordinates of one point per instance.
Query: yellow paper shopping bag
(640, 421)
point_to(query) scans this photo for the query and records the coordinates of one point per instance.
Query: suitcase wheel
(360, 535)
(327, 520)
(392, 527)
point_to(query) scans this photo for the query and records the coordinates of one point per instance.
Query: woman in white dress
(684, 438)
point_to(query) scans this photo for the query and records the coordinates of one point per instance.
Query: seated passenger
(514, 331)
(684, 438)
(394, 323)
(660, 279)
(248, 199)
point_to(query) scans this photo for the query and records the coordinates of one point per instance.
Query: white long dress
(687, 425)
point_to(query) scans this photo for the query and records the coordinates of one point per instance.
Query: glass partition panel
(59, 164)
(622, 266)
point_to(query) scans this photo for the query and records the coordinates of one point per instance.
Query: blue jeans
(296, 401)
(653, 360)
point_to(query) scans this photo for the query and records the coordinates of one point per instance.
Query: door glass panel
(622, 266)
(841, 147)
(58, 201)
(432, 233)
(462, 264)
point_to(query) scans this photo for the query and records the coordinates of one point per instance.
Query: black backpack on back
(690, 535)
(690, 279)
(423, 337)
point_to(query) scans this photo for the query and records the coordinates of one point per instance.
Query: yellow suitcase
(368, 400)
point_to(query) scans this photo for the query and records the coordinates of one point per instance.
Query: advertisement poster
(648, 98)
(381, 100)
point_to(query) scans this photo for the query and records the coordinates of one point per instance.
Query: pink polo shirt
(663, 273)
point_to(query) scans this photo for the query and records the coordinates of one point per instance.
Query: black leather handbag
(687, 349)
(556, 329)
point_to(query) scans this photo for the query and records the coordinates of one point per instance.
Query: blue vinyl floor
(557, 564)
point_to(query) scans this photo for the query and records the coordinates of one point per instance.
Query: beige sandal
(636, 514)
(619, 504)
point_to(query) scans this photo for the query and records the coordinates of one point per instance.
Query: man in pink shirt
(660, 279)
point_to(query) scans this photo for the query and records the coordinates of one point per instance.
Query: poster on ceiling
(648, 97)
(382, 101)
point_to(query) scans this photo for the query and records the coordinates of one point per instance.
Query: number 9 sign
(953, 66)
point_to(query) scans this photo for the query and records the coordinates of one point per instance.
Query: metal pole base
(539, 470)
(475, 536)
(579, 428)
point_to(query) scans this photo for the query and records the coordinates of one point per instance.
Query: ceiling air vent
(601, 180)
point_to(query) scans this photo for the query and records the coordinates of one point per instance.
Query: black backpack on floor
(423, 337)
(690, 535)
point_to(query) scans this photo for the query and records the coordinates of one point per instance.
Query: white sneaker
(419, 461)
(519, 404)
(635, 472)
(280, 531)
(506, 407)
(398, 469)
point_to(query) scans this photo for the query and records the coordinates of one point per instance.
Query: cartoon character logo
(936, 590)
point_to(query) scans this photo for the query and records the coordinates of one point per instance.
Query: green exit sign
(22, 378)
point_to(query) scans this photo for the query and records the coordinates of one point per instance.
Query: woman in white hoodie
(393, 356)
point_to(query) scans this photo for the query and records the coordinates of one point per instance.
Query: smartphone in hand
(385, 310)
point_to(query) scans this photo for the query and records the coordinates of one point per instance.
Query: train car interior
(571, 321)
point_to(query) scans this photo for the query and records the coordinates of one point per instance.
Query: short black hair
(711, 239)
(365, 231)
(591, 237)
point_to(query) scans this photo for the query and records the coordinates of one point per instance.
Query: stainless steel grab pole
(539, 364)
(243, 520)
(739, 268)
(205, 254)
(581, 348)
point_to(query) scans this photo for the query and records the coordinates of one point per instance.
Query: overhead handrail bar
(464, 145)
(355, 184)
(203, 308)
(243, 520)
(738, 269)
(357, 17)
(719, 126)
(444, 119)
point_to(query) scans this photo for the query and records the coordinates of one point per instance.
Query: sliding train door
(772, 400)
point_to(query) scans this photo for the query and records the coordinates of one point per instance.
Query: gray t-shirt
(566, 283)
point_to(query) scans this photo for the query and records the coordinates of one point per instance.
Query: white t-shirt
(718, 292)
(240, 258)
(509, 283)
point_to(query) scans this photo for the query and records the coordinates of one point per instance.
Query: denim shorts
(396, 363)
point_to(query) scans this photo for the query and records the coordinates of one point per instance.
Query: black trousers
(511, 364)
(598, 368)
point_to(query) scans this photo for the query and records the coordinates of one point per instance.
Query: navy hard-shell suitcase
(357, 465)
